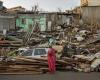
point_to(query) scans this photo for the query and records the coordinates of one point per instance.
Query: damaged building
(7, 21)
(26, 20)
(90, 10)
(47, 21)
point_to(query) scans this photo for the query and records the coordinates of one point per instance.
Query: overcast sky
(48, 5)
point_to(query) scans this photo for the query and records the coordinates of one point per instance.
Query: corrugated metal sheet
(91, 14)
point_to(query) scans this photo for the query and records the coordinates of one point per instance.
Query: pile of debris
(10, 41)
(77, 41)
(24, 65)
(27, 65)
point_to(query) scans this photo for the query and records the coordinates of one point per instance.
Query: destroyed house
(7, 22)
(27, 20)
(56, 19)
(44, 21)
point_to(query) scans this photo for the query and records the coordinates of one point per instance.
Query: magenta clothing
(52, 60)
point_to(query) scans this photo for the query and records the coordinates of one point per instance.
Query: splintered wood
(39, 65)
(24, 65)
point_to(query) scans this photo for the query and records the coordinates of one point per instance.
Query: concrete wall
(30, 20)
(7, 22)
(91, 15)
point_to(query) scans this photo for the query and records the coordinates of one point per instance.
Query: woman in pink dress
(52, 60)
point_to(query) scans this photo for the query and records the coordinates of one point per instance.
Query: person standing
(52, 59)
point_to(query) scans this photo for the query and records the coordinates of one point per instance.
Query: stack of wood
(37, 65)
(10, 41)
(25, 65)
(7, 43)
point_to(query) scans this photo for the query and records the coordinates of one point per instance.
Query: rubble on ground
(83, 46)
